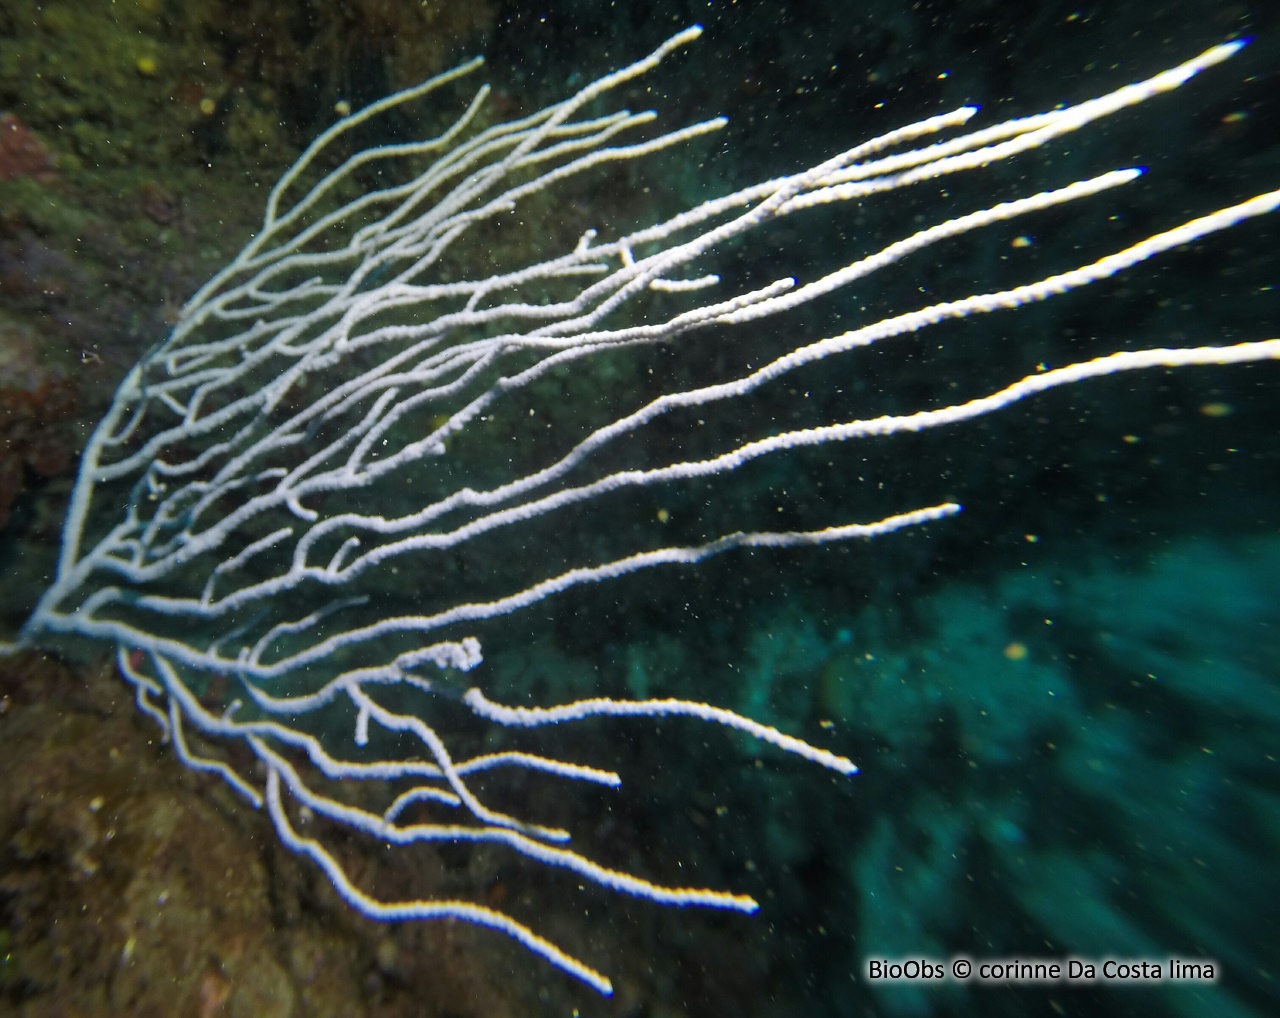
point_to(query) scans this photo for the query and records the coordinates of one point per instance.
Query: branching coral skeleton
(262, 452)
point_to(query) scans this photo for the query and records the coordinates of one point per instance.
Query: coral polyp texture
(357, 448)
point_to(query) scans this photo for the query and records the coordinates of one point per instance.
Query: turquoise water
(1063, 701)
